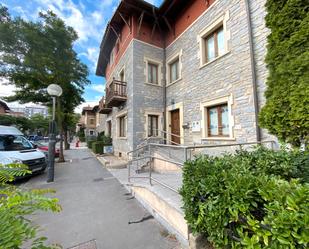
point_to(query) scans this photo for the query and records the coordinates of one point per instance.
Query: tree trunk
(66, 138)
(61, 154)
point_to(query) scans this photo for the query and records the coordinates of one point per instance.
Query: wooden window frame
(152, 131)
(220, 128)
(215, 34)
(177, 69)
(122, 133)
(152, 65)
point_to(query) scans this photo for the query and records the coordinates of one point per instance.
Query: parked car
(35, 138)
(44, 147)
(15, 148)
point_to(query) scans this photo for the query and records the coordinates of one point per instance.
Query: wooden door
(175, 126)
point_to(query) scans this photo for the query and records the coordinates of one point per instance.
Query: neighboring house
(194, 69)
(4, 109)
(92, 121)
(89, 121)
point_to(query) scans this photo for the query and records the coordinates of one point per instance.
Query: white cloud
(86, 25)
(98, 88)
(91, 102)
(92, 55)
(5, 88)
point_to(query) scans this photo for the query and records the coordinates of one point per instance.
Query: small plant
(97, 147)
(16, 205)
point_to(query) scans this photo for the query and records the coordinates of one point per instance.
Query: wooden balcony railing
(116, 93)
(103, 107)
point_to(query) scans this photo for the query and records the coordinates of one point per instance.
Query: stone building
(192, 71)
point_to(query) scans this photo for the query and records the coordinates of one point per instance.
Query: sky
(88, 18)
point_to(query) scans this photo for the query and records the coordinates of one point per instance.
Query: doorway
(175, 126)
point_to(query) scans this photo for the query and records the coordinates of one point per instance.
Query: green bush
(17, 208)
(285, 113)
(107, 140)
(89, 143)
(250, 199)
(97, 147)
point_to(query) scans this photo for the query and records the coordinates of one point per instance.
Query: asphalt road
(97, 208)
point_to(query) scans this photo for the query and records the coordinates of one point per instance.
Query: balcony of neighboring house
(103, 108)
(116, 93)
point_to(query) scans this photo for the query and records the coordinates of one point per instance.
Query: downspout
(164, 85)
(253, 70)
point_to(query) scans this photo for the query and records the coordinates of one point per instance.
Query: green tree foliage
(36, 54)
(16, 205)
(22, 123)
(257, 199)
(287, 96)
(27, 125)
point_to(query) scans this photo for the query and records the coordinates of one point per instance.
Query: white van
(15, 148)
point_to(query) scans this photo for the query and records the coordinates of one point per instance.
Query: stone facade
(228, 78)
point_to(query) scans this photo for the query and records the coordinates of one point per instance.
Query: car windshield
(14, 143)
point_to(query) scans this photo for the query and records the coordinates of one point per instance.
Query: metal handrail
(149, 177)
(179, 164)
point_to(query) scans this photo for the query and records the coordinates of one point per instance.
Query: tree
(285, 113)
(36, 54)
(39, 124)
(16, 205)
(22, 123)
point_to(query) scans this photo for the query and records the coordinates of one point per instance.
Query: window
(121, 75)
(152, 73)
(214, 44)
(122, 126)
(91, 133)
(91, 121)
(153, 125)
(109, 128)
(174, 70)
(218, 120)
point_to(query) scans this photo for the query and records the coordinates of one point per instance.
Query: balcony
(116, 93)
(103, 109)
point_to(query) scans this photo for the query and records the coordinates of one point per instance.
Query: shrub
(97, 147)
(17, 205)
(107, 140)
(250, 199)
(89, 143)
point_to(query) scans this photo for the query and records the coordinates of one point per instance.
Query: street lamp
(54, 91)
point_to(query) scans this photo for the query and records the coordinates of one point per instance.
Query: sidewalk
(96, 207)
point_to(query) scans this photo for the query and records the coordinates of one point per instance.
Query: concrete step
(112, 162)
(164, 204)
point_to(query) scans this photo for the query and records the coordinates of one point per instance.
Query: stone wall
(123, 145)
(229, 75)
(147, 97)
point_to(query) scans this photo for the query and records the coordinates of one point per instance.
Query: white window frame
(204, 106)
(155, 62)
(221, 21)
(170, 61)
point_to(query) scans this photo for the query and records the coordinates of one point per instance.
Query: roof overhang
(125, 9)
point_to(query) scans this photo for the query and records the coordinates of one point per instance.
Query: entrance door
(175, 126)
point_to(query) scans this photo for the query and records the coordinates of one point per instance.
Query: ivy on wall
(286, 112)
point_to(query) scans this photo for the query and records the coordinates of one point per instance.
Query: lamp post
(54, 91)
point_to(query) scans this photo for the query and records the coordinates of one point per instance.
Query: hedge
(89, 143)
(257, 199)
(97, 147)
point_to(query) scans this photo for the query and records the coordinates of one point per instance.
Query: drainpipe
(253, 70)
(164, 85)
